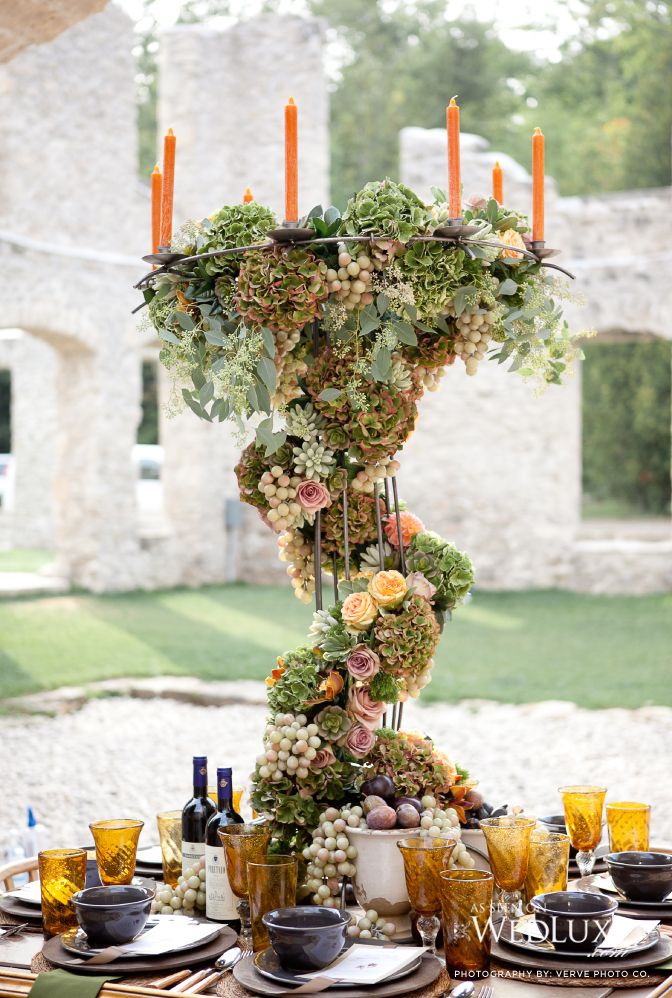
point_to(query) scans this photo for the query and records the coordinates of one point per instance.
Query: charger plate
(641, 909)
(430, 967)
(54, 951)
(18, 909)
(76, 941)
(585, 967)
(270, 967)
(519, 941)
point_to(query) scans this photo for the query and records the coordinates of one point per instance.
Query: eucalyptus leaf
(381, 364)
(508, 287)
(369, 319)
(206, 393)
(382, 303)
(267, 373)
(168, 336)
(269, 342)
(331, 215)
(405, 332)
(185, 321)
(330, 394)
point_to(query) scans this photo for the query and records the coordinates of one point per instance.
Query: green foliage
(626, 424)
(389, 209)
(297, 685)
(443, 565)
(384, 688)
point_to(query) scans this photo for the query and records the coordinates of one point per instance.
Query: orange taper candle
(498, 183)
(537, 186)
(156, 208)
(454, 183)
(167, 188)
(248, 196)
(291, 163)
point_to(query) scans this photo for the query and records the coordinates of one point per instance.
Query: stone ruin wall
(491, 466)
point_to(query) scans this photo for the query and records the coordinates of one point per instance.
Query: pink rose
(420, 585)
(312, 496)
(362, 662)
(359, 741)
(324, 757)
(363, 708)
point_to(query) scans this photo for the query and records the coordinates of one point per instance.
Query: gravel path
(129, 757)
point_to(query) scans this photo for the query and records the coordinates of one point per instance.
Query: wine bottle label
(220, 901)
(191, 853)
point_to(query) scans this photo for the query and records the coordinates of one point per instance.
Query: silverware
(464, 990)
(13, 930)
(486, 991)
(228, 960)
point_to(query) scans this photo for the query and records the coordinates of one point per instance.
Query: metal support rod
(379, 528)
(397, 513)
(346, 533)
(318, 561)
(316, 337)
(400, 714)
(334, 572)
(388, 504)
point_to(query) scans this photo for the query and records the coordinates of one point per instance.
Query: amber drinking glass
(116, 842)
(243, 844)
(583, 817)
(548, 863)
(466, 904)
(170, 838)
(238, 793)
(628, 824)
(271, 884)
(508, 842)
(62, 874)
(424, 860)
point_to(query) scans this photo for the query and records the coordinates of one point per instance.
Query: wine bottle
(220, 901)
(195, 816)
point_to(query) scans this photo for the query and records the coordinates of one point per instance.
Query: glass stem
(585, 860)
(245, 921)
(428, 927)
(511, 903)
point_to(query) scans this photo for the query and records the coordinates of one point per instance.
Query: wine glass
(424, 861)
(583, 817)
(508, 842)
(243, 844)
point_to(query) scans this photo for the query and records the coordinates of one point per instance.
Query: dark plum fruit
(474, 798)
(379, 786)
(381, 818)
(370, 802)
(398, 801)
(500, 812)
(407, 816)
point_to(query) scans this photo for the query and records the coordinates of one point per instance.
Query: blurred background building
(570, 489)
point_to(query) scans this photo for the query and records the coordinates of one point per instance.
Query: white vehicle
(6, 481)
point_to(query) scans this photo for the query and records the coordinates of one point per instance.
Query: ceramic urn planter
(379, 881)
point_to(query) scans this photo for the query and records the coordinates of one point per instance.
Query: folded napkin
(623, 932)
(362, 964)
(605, 883)
(62, 984)
(169, 933)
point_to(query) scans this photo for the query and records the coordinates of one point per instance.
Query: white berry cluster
(430, 376)
(287, 388)
(474, 335)
(188, 898)
(413, 684)
(370, 474)
(290, 745)
(372, 926)
(330, 855)
(280, 491)
(351, 283)
(295, 549)
(284, 341)
(443, 822)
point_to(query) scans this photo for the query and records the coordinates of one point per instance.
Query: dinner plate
(54, 951)
(28, 894)
(519, 941)
(150, 856)
(76, 941)
(269, 966)
(652, 909)
(16, 905)
(26, 912)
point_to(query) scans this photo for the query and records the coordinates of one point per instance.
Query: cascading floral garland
(327, 347)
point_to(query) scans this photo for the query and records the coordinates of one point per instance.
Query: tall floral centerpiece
(321, 338)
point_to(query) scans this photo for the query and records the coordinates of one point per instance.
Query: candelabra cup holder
(541, 250)
(456, 229)
(291, 232)
(164, 257)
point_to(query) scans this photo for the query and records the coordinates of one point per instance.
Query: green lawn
(517, 647)
(23, 559)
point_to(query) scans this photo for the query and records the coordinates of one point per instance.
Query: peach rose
(410, 526)
(388, 589)
(362, 662)
(324, 757)
(363, 708)
(359, 611)
(514, 240)
(359, 741)
(312, 496)
(420, 585)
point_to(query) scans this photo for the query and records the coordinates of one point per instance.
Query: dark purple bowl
(306, 937)
(574, 920)
(641, 876)
(114, 914)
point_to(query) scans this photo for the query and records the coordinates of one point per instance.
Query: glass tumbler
(170, 838)
(466, 903)
(62, 874)
(271, 884)
(548, 863)
(628, 825)
(116, 842)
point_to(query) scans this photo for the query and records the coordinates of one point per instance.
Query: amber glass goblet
(62, 874)
(466, 904)
(243, 844)
(583, 817)
(116, 842)
(271, 884)
(424, 861)
(508, 842)
(548, 863)
(628, 825)
(170, 838)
